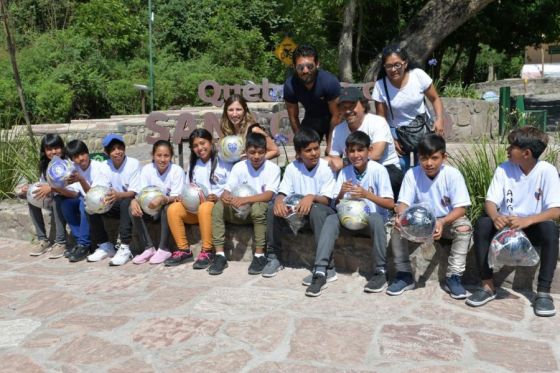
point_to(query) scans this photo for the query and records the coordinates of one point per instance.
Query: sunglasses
(301, 67)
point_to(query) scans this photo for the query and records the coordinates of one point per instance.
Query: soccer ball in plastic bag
(147, 195)
(353, 214)
(58, 171)
(295, 220)
(231, 148)
(418, 223)
(243, 190)
(43, 203)
(511, 247)
(96, 200)
(193, 195)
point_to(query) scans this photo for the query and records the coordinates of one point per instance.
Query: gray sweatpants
(36, 215)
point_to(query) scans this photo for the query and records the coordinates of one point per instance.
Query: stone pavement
(89, 317)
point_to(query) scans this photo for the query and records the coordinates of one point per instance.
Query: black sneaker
(79, 254)
(377, 283)
(257, 265)
(318, 283)
(69, 251)
(203, 260)
(480, 297)
(179, 257)
(544, 305)
(220, 263)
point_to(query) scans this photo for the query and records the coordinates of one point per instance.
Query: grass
(18, 162)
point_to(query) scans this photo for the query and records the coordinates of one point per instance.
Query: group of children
(520, 196)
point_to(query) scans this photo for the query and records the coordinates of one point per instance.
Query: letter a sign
(285, 49)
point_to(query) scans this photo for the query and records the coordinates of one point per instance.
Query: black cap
(351, 94)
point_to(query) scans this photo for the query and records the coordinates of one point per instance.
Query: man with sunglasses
(317, 90)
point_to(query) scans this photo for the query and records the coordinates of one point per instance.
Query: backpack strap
(388, 98)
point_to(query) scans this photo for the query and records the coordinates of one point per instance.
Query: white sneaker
(122, 256)
(103, 251)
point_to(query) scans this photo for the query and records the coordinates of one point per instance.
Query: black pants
(119, 210)
(543, 234)
(321, 125)
(396, 176)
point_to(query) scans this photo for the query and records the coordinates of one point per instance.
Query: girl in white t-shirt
(208, 170)
(170, 178)
(399, 95)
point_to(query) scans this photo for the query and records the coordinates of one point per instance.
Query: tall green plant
(19, 158)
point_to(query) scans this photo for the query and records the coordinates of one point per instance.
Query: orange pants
(178, 216)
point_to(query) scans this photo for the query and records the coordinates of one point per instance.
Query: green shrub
(123, 97)
(53, 102)
(18, 161)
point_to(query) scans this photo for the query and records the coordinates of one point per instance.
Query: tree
(345, 42)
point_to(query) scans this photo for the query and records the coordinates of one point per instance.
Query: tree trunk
(359, 37)
(345, 42)
(469, 70)
(452, 67)
(429, 27)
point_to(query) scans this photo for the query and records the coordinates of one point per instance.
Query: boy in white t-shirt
(310, 176)
(264, 177)
(524, 194)
(443, 188)
(362, 179)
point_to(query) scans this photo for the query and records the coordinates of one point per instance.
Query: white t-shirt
(515, 193)
(376, 128)
(98, 173)
(375, 179)
(406, 102)
(266, 178)
(201, 175)
(444, 193)
(321, 180)
(122, 178)
(171, 182)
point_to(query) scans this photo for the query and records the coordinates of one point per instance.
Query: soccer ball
(295, 221)
(243, 190)
(193, 195)
(44, 203)
(95, 200)
(353, 214)
(147, 195)
(58, 171)
(418, 223)
(512, 247)
(231, 148)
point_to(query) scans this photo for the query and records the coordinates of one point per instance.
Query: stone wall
(522, 87)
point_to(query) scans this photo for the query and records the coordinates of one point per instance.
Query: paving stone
(14, 331)
(19, 363)
(445, 369)
(165, 332)
(275, 367)
(44, 340)
(335, 341)
(87, 349)
(263, 334)
(521, 355)
(133, 366)
(166, 298)
(232, 361)
(507, 305)
(85, 322)
(420, 342)
(24, 283)
(47, 303)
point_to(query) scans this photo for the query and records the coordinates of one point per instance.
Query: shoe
(318, 283)
(331, 276)
(122, 256)
(257, 265)
(403, 281)
(480, 297)
(79, 253)
(377, 283)
(69, 251)
(454, 287)
(57, 251)
(272, 267)
(203, 260)
(218, 266)
(145, 256)
(160, 256)
(105, 250)
(179, 257)
(40, 248)
(544, 305)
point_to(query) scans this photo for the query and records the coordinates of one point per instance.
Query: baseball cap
(110, 138)
(351, 94)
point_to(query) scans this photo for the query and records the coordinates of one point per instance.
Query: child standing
(207, 170)
(523, 195)
(442, 187)
(264, 177)
(169, 178)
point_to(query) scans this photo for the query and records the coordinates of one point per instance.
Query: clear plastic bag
(295, 221)
(417, 223)
(511, 247)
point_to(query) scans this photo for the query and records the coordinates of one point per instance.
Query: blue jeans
(73, 210)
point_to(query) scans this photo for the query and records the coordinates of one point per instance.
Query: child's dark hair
(255, 140)
(305, 50)
(203, 134)
(529, 138)
(113, 142)
(76, 147)
(358, 138)
(430, 144)
(50, 140)
(304, 137)
(165, 143)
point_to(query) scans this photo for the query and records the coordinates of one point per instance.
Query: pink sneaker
(160, 256)
(144, 257)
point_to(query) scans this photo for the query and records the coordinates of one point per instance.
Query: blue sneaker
(402, 282)
(454, 287)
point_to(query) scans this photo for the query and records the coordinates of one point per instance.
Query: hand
(212, 198)
(438, 231)
(346, 187)
(135, 209)
(517, 222)
(157, 202)
(358, 192)
(438, 127)
(335, 163)
(501, 221)
(237, 202)
(43, 191)
(280, 208)
(398, 147)
(74, 177)
(22, 192)
(112, 197)
(304, 206)
(226, 198)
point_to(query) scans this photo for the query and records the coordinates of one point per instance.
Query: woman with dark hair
(400, 93)
(238, 120)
